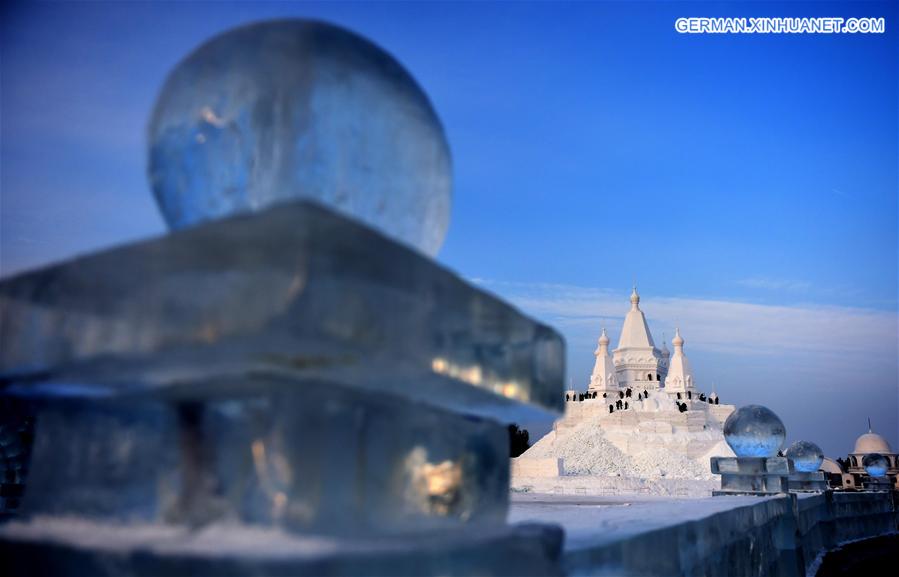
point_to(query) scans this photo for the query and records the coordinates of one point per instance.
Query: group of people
(622, 404)
(712, 400)
(626, 394)
(619, 404)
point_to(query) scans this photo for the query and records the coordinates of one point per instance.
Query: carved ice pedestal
(877, 484)
(752, 475)
(287, 392)
(808, 482)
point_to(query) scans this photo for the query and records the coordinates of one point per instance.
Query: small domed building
(866, 444)
(836, 476)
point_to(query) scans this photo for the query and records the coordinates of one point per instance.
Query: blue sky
(747, 183)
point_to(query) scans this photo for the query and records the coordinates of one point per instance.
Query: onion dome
(603, 338)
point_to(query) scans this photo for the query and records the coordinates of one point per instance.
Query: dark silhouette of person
(628, 393)
(566, 397)
(611, 409)
(620, 394)
(716, 400)
(594, 394)
(604, 395)
(678, 397)
(625, 405)
(689, 394)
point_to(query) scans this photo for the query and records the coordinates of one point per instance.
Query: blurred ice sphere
(289, 109)
(754, 431)
(875, 464)
(807, 457)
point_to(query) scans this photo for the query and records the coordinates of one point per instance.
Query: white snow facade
(642, 423)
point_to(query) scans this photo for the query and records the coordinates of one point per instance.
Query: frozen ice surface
(754, 431)
(290, 109)
(317, 459)
(294, 292)
(807, 456)
(77, 546)
(590, 521)
(875, 464)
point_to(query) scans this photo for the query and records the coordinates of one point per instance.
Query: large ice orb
(875, 464)
(290, 109)
(754, 431)
(806, 456)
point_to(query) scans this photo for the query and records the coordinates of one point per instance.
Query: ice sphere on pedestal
(754, 431)
(806, 456)
(875, 464)
(291, 109)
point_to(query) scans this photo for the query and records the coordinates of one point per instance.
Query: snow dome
(871, 442)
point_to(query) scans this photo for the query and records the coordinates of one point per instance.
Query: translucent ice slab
(316, 459)
(295, 292)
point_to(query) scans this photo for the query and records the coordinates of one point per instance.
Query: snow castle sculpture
(642, 403)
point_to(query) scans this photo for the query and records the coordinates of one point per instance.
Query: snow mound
(587, 451)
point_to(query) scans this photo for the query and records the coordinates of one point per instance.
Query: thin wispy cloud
(775, 284)
(835, 334)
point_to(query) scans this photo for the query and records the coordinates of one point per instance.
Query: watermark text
(780, 25)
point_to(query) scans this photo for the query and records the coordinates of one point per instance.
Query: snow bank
(587, 451)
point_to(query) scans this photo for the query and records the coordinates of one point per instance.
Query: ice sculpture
(322, 397)
(875, 464)
(297, 109)
(755, 434)
(16, 433)
(754, 431)
(807, 456)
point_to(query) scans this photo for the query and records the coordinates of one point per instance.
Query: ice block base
(752, 475)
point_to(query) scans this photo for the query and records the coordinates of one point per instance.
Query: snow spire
(603, 378)
(680, 376)
(677, 341)
(603, 339)
(635, 332)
